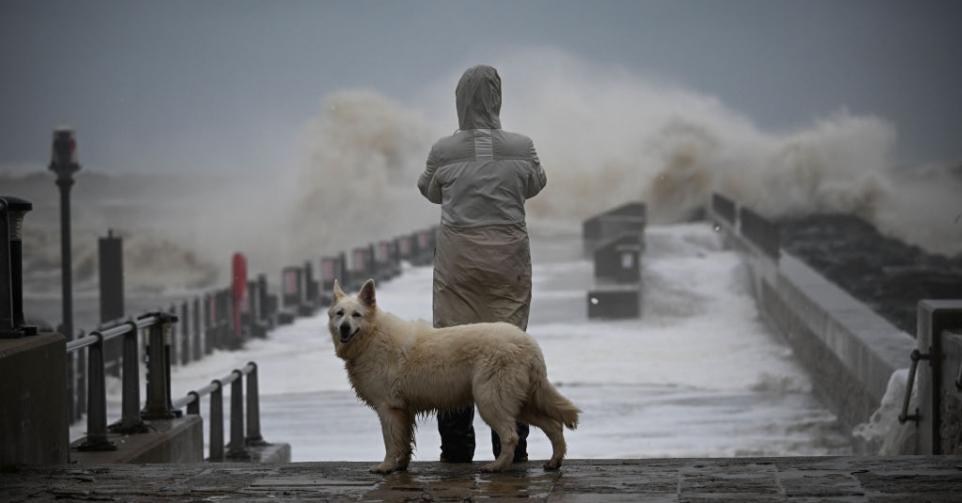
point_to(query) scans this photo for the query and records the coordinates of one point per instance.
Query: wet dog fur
(401, 369)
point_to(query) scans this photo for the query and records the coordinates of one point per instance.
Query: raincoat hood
(478, 98)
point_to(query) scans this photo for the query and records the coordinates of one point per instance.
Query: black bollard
(110, 264)
(12, 211)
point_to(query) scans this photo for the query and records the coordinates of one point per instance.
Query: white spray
(606, 135)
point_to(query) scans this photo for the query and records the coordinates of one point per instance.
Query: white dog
(403, 368)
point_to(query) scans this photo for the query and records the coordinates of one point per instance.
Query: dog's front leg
(397, 429)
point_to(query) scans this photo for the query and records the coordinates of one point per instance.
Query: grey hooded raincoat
(481, 176)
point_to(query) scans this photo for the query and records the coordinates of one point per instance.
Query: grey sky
(185, 85)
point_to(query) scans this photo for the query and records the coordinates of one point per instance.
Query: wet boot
(520, 451)
(457, 435)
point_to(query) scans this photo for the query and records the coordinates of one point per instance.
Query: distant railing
(761, 232)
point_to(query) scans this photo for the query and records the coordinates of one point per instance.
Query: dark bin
(627, 218)
(614, 302)
(619, 260)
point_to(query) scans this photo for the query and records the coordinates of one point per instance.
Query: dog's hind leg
(555, 432)
(501, 417)
(397, 427)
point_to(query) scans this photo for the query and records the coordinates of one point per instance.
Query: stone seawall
(850, 351)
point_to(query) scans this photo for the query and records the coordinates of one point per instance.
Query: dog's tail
(553, 404)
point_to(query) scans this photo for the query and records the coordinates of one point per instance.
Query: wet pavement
(794, 479)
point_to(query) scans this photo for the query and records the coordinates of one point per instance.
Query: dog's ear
(338, 293)
(366, 295)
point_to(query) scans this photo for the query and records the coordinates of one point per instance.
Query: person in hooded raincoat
(481, 176)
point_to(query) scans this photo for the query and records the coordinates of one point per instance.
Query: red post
(239, 291)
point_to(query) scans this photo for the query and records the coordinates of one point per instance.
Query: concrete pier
(850, 351)
(850, 479)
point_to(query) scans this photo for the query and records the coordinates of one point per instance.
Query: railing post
(171, 342)
(71, 383)
(130, 421)
(210, 323)
(250, 318)
(198, 333)
(96, 399)
(168, 335)
(217, 422)
(82, 385)
(238, 447)
(193, 408)
(158, 370)
(184, 335)
(263, 301)
(253, 408)
(218, 316)
(227, 336)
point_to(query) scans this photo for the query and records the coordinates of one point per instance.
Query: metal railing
(240, 439)
(904, 416)
(206, 323)
(158, 404)
(160, 327)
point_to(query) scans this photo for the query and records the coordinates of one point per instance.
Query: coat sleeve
(427, 182)
(536, 176)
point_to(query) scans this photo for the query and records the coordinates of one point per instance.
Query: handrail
(115, 331)
(158, 378)
(196, 394)
(904, 416)
(237, 449)
(158, 403)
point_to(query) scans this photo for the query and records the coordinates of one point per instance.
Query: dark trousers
(457, 437)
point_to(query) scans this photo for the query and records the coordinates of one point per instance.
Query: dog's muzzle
(345, 332)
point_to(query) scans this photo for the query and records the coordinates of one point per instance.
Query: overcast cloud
(217, 85)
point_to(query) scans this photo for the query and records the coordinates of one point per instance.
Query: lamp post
(63, 162)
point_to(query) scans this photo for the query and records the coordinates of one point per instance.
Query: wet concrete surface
(794, 479)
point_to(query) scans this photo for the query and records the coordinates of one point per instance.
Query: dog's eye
(356, 315)
(340, 313)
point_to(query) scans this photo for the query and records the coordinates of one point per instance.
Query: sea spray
(606, 135)
(363, 155)
(882, 434)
